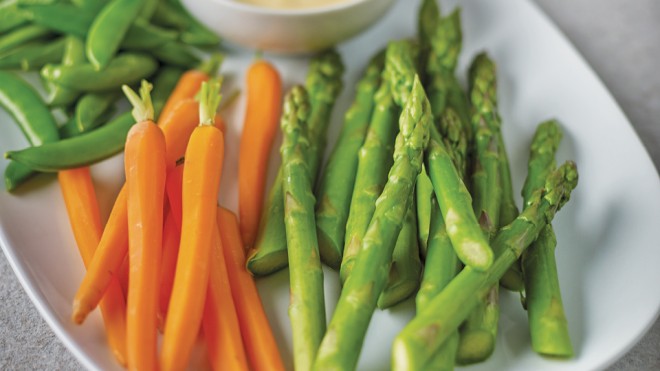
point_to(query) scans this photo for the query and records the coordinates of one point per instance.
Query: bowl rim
(342, 5)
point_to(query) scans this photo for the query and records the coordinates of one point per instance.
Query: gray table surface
(621, 41)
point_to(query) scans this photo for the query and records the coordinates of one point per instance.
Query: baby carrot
(201, 180)
(177, 126)
(111, 252)
(171, 238)
(144, 160)
(260, 345)
(220, 323)
(264, 98)
(83, 209)
(190, 82)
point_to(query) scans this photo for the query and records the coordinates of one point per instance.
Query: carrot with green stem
(201, 180)
(83, 210)
(224, 340)
(258, 339)
(177, 128)
(144, 161)
(264, 100)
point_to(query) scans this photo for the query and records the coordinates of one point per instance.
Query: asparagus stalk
(336, 184)
(323, 86)
(427, 332)
(428, 19)
(483, 87)
(375, 157)
(547, 321)
(442, 264)
(423, 197)
(307, 305)
(341, 344)
(455, 202)
(406, 268)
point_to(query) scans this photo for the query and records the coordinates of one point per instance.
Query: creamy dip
(291, 4)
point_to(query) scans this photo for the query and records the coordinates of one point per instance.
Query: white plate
(608, 236)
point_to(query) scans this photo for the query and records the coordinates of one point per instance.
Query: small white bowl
(287, 31)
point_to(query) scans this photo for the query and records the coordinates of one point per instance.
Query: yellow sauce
(291, 4)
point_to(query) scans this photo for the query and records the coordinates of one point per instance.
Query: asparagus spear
(341, 344)
(456, 205)
(444, 92)
(323, 86)
(441, 261)
(406, 267)
(336, 184)
(428, 18)
(483, 87)
(375, 157)
(547, 321)
(426, 333)
(423, 198)
(306, 306)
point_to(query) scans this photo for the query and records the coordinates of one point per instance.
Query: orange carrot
(190, 82)
(264, 98)
(258, 338)
(171, 238)
(201, 180)
(144, 159)
(110, 254)
(83, 209)
(220, 323)
(177, 128)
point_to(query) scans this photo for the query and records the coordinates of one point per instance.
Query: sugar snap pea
(148, 9)
(11, 16)
(93, 6)
(144, 36)
(74, 54)
(176, 54)
(166, 15)
(82, 150)
(61, 18)
(22, 35)
(91, 106)
(32, 116)
(108, 30)
(125, 68)
(71, 129)
(33, 55)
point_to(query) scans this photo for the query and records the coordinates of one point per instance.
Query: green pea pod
(21, 35)
(108, 30)
(70, 128)
(126, 68)
(164, 83)
(62, 18)
(176, 54)
(93, 6)
(33, 117)
(195, 33)
(144, 36)
(83, 150)
(91, 106)
(74, 54)
(167, 16)
(11, 16)
(148, 9)
(33, 55)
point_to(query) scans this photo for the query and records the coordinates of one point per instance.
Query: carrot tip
(143, 108)
(211, 66)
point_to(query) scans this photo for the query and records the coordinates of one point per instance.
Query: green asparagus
(306, 300)
(427, 332)
(423, 198)
(406, 267)
(547, 321)
(337, 181)
(323, 86)
(375, 157)
(341, 344)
